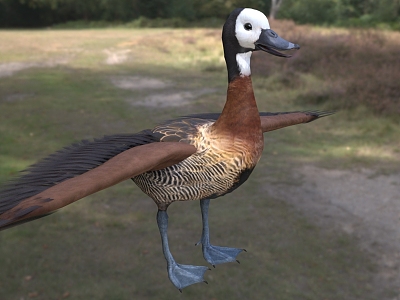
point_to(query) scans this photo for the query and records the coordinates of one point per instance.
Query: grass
(107, 246)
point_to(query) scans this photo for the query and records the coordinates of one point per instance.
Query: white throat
(243, 62)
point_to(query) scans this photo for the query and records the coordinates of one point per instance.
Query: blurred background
(320, 215)
(39, 13)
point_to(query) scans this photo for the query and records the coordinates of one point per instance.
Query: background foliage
(342, 12)
(39, 13)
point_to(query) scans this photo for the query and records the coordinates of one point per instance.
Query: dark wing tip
(319, 113)
(6, 224)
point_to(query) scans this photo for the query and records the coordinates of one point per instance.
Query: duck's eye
(248, 26)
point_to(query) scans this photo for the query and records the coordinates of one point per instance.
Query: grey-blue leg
(180, 275)
(214, 254)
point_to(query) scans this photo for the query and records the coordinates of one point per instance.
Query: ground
(359, 202)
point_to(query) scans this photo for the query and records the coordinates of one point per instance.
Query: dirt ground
(359, 203)
(10, 68)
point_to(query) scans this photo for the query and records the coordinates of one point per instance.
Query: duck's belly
(204, 175)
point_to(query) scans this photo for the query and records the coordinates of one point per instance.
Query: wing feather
(273, 121)
(89, 166)
(83, 169)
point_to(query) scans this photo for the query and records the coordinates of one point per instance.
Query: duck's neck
(237, 62)
(240, 115)
(237, 57)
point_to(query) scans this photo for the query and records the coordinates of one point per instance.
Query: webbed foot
(214, 254)
(180, 275)
(184, 275)
(218, 255)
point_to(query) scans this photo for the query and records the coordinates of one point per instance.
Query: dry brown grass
(352, 67)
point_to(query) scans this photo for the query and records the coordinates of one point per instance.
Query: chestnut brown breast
(227, 150)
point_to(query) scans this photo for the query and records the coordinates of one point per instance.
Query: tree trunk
(275, 4)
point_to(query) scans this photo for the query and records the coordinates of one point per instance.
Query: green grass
(107, 246)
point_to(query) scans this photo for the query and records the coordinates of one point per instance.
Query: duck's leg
(180, 275)
(214, 254)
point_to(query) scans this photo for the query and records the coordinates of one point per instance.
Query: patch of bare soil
(359, 203)
(116, 57)
(17, 97)
(166, 95)
(9, 69)
(162, 100)
(138, 83)
(171, 99)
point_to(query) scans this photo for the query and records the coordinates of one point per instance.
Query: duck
(197, 157)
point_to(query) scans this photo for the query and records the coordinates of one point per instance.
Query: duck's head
(247, 30)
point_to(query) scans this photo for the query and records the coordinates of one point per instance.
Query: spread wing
(90, 166)
(270, 122)
(273, 121)
(83, 169)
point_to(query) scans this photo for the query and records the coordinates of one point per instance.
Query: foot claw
(238, 262)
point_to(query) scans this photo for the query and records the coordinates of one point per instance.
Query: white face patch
(249, 24)
(248, 27)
